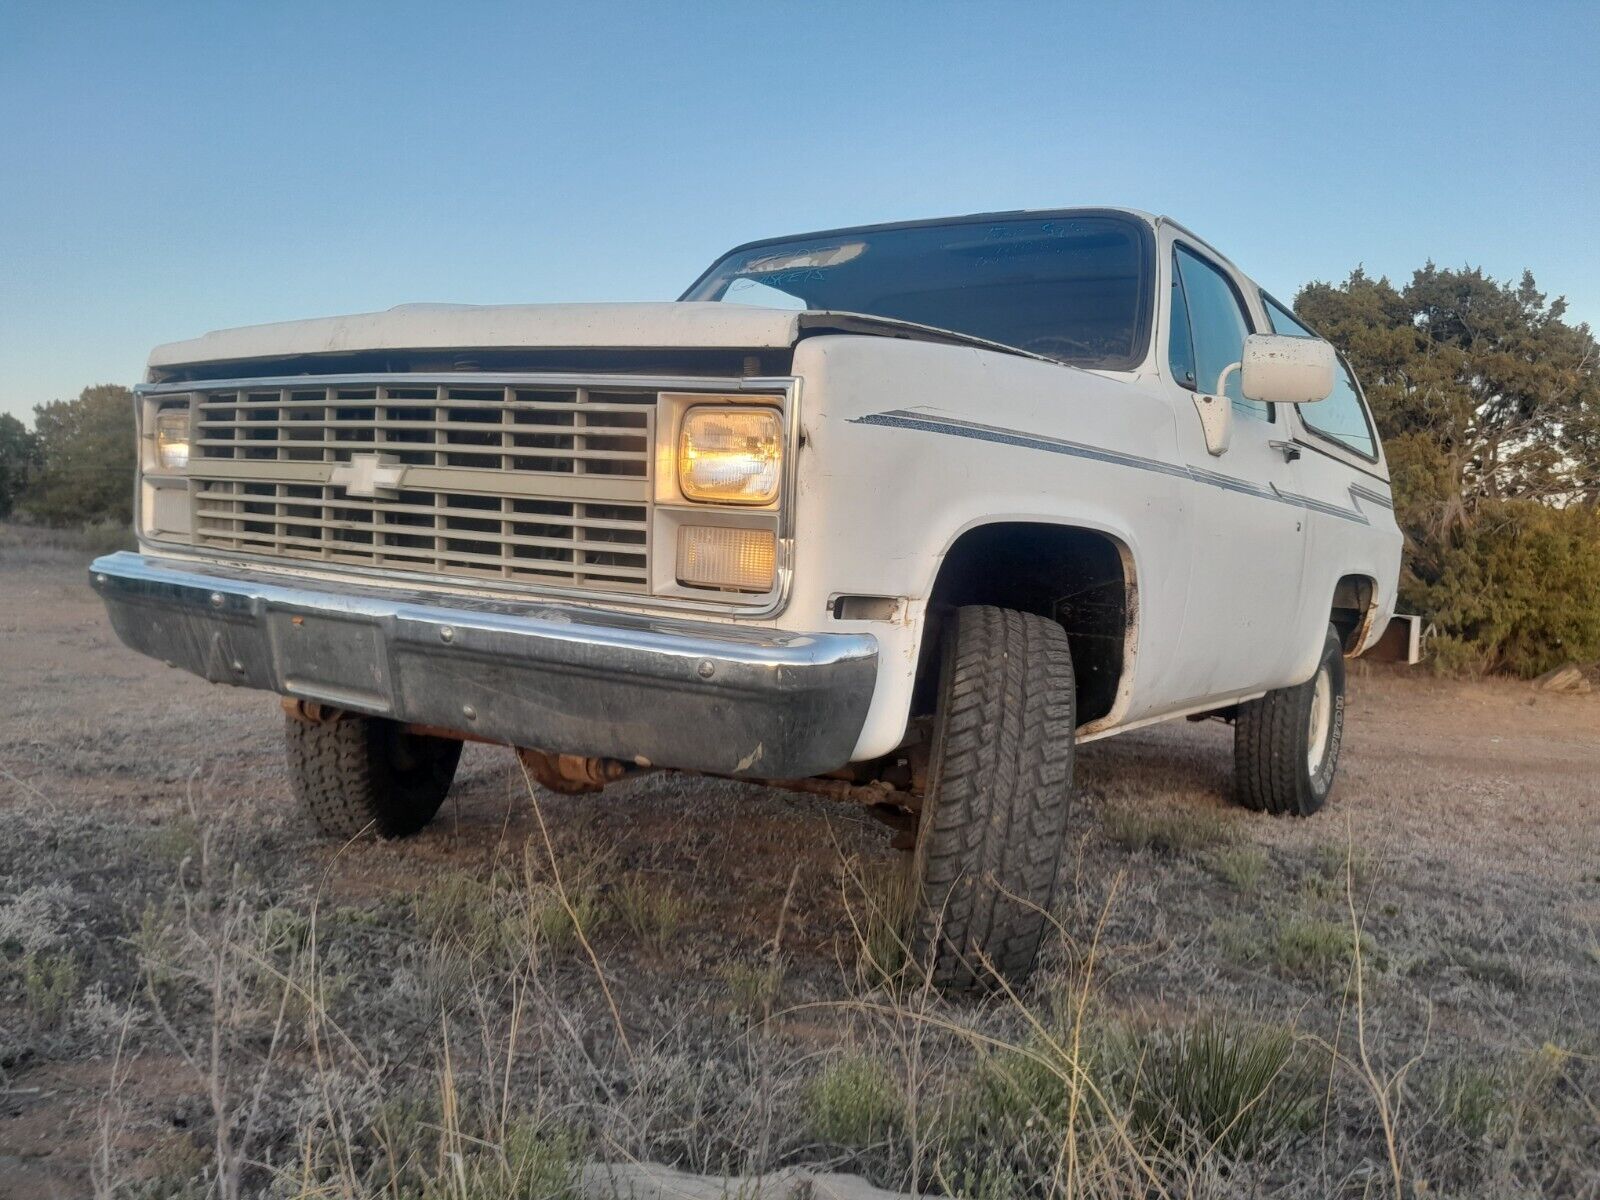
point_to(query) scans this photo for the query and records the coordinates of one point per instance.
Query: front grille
(533, 484)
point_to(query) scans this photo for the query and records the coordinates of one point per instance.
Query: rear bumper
(699, 695)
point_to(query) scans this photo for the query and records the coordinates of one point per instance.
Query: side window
(1219, 327)
(1341, 416)
(1180, 345)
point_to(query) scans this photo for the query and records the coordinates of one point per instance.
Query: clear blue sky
(169, 169)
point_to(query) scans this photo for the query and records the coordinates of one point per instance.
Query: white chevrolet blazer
(900, 513)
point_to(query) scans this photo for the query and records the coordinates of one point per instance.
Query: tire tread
(998, 798)
(346, 781)
(1270, 774)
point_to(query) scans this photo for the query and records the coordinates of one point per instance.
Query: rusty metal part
(315, 712)
(904, 821)
(899, 809)
(917, 757)
(455, 735)
(871, 793)
(571, 774)
(906, 767)
(312, 712)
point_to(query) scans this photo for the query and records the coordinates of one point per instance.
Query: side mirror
(1285, 370)
(1274, 370)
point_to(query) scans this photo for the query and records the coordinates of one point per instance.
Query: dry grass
(270, 1000)
(39, 545)
(1160, 830)
(651, 910)
(1242, 867)
(202, 1001)
(753, 988)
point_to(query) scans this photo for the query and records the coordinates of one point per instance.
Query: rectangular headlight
(715, 556)
(730, 455)
(172, 439)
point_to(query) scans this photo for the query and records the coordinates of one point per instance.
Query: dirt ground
(1468, 815)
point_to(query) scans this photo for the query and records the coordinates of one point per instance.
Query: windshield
(1074, 288)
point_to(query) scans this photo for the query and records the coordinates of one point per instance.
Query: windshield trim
(1144, 318)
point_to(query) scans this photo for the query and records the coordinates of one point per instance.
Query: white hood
(502, 326)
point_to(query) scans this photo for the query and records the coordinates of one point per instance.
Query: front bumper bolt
(469, 712)
(216, 600)
(447, 633)
(706, 669)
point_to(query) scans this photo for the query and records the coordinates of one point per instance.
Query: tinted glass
(1219, 327)
(1341, 416)
(1180, 342)
(1072, 288)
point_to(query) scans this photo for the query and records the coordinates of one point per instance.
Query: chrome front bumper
(710, 697)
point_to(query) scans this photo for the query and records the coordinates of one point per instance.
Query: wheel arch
(1082, 576)
(1354, 605)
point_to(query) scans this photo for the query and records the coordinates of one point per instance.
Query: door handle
(1289, 450)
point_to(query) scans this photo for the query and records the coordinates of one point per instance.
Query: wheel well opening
(1352, 603)
(1080, 578)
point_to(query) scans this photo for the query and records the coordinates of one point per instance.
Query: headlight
(730, 455)
(172, 439)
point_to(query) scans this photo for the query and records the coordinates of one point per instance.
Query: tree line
(1488, 402)
(1486, 396)
(75, 466)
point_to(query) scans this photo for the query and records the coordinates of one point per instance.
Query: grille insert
(535, 484)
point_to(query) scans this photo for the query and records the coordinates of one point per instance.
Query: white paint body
(908, 444)
(1234, 591)
(508, 326)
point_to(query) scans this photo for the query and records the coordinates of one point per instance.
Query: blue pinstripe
(951, 427)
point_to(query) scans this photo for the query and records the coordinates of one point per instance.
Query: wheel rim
(1320, 723)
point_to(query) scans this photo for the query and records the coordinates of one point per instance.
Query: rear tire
(993, 823)
(1286, 744)
(359, 773)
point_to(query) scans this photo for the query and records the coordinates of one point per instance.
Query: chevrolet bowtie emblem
(368, 474)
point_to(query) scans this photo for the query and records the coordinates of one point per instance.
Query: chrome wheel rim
(1320, 723)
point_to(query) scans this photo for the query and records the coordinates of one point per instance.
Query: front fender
(907, 446)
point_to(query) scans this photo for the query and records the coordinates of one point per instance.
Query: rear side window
(1341, 417)
(1217, 325)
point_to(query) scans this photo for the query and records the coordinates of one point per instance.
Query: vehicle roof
(958, 219)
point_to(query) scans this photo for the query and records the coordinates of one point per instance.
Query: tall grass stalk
(572, 912)
(1387, 1093)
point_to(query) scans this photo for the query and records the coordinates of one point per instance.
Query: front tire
(356, 773)
(993, 823)
(1286, 744)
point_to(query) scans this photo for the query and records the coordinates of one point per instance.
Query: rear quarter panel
(1353, 532)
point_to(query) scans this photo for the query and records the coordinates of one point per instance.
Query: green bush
(854, 1102)
(1518, 590)
(1237, 1087)
(1488, 401)
(1230, 1085)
